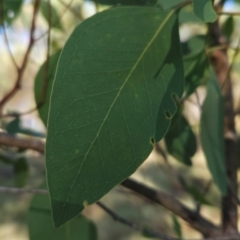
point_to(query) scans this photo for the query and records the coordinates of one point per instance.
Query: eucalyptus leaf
(41, 227)
(180, 140)
(212, 133)
(14, 126)
(21, 172)
(111, 99)
(197, 195)
(195, 67)
(40, 86)
(204, 10)
(177, 226)
(228, 27)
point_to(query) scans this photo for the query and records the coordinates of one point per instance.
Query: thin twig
(22, 190)
(229, 13)
(12, 141)
(6, 37)
(195, 220)
(67, 6)
(71, 10)
(116, 217)
(17, 85)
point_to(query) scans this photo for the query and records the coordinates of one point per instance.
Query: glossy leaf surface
(40, 223)
(212, 135)
(204, 10)
(112, 92)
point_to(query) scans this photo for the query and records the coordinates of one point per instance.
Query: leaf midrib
(115, 99)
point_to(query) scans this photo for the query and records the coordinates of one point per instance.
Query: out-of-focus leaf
(40, 82)
(128, 2)
(180, 140)
(167, 4)
(197, 195)
(55, 20)
(14, 126)
(228, 27)
(112, 98)
(204, 10)
(195, 44)
(41, 227)
(177, 226)
(6, 159)
(212, 133)
(195, 66)
(11, 9)
(187, 15)
(21, 171)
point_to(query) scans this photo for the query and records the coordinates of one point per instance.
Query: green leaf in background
(187, 15)
(228, 27)
(21, 172)
(180, 140)
(167, 4)
(11, 9)
(195, 66)
(14, 126)
(112, 97)
(195, 44)
(197, 195)
(128, 2)
(41, 227)
(204, 10)
(55, 20)
(177, 226)
(39, 85)
(211, 133)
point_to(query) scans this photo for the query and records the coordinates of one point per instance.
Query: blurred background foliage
(168, 168)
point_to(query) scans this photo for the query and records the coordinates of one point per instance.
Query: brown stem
(12, 141)
(194, 219)
(149, 232)
(21, 69)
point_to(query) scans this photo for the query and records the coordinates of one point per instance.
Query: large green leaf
(204, 10)
(212, 135)
(11, 9)
(40, 224)
(180, 140)
(112, 98)
(40, 86)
